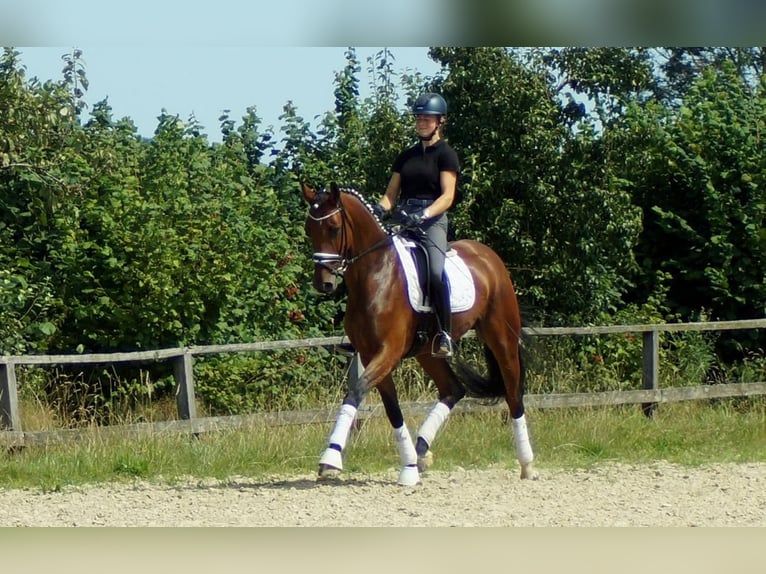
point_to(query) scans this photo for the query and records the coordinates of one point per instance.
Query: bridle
(337, 263)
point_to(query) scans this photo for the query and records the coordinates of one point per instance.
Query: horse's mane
(363, 200)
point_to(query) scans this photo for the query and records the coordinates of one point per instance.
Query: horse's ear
(334, 192)
(309, 194)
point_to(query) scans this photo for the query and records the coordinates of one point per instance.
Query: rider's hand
(413, 219)
(379, 211)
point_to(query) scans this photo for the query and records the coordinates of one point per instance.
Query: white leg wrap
(339, 436)
(409, 475)
(343, 422)
(521, 440)
(433, 422)
(332, 458)
(407, 454)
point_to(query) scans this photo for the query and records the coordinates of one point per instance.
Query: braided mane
(364, 201)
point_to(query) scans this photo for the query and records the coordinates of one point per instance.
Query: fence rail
(649, 396)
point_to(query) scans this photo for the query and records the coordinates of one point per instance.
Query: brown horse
(381, 324)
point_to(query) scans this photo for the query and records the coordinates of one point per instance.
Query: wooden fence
(649, 396)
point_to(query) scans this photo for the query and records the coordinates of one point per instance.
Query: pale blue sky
(202, 58)
(391, 23)
(140, 80)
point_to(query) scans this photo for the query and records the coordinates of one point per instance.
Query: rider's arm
(448, 183)
(388, 201)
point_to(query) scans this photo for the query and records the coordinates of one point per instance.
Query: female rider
(423, 185)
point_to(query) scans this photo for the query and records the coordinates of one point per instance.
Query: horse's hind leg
(450, 392)
(503, 341)
(524, 452)
(511, 369)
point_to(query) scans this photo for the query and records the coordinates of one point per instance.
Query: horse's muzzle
(325, 282)
(326, 287)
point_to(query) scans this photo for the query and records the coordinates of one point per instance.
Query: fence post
(184, 375)
(9, 401)
(650, 375)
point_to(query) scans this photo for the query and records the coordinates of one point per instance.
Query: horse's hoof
(331, 458)
(327, 473)
(425, 461)
(528, 472)
(409, 476)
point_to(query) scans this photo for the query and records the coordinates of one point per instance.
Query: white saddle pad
(462, 292)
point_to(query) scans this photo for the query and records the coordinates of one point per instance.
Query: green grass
(686, 433)
(690, 433)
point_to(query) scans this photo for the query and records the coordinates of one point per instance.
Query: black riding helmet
(430, 104)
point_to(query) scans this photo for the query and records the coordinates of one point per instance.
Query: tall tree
(545, 200)
(698, 175)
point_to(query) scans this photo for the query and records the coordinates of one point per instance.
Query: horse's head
(343, 230)
(326, 228)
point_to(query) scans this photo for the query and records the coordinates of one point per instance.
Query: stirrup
(442, 346)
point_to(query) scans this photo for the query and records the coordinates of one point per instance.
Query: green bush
(290, 379)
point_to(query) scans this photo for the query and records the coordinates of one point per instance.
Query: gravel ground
(658, 494)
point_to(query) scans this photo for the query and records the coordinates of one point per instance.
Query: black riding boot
(442, 345)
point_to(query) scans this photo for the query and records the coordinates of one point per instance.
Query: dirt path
(659, 494)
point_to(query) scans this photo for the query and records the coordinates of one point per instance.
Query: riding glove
(413, 219)
(379, 211)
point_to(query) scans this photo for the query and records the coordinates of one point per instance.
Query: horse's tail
(490, 386)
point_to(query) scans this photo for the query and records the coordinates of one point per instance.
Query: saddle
(414, 259)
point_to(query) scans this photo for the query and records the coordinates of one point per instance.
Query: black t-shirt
(419, 169)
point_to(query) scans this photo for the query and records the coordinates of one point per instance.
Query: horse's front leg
(450, 392)
(331, 461)
(409, 474)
